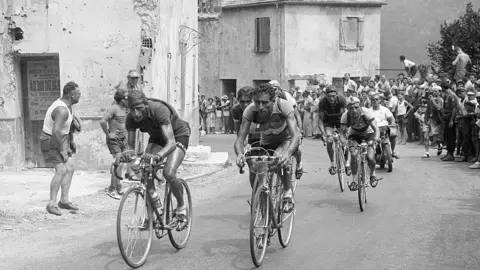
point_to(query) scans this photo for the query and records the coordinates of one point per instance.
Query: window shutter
(361, 35)
(257, 34)
(343, 37)
(262, 32)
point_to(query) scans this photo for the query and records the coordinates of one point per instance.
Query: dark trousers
(450, 134)
(467, 147)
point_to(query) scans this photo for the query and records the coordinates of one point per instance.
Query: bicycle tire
(124, 252)
(340, 166)
(259, 198)
(293, 176)
(282, 231)
(169, 214)
(361, 187)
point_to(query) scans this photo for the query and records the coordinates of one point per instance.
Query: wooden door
(40, 87)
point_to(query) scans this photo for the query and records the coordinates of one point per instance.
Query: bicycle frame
(361, 156)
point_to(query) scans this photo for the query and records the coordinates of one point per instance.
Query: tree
(463, 32)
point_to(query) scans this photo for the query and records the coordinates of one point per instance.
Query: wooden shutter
(343, 35)
(262, 32)
(361, 33)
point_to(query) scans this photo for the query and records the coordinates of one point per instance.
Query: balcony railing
(209, 9)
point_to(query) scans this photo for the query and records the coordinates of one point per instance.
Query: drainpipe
(169, 58)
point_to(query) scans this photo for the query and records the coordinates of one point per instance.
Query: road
(424, 215)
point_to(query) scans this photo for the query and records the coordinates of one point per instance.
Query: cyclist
(169, 136)
(287, 96)
(361, 125)
(384, 118)
(331, 109)
(245, 97)
(275, 117)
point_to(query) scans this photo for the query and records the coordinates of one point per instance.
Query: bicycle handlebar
(137, 160)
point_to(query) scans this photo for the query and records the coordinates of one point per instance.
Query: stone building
(255, 41)
(45, 44)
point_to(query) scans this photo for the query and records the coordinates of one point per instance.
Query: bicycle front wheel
(134, 227)
(362, 192)
(340, 167)
(259, 219)
(285, 221)
(179, 238)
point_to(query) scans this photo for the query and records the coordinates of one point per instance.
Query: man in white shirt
(469, 85)
(349, 84)
(410, 66)
(384, 118)
(383, 85)
(461, 63)
(391, 102)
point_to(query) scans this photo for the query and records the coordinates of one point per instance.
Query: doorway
(40, 87)
(229, 86)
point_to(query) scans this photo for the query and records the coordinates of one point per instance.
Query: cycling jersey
(237, 114)
(159, 113)
(360, 126)
(290, 99)
(275, 129)
(330, 109)
(381, 115)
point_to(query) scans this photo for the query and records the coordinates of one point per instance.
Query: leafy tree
(463, 32)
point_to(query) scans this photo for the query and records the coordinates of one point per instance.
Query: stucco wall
(97, 43)
(312, 41)
(233, 42)
(409, 25)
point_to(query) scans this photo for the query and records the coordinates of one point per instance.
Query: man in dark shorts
(330, 111)
(113, 124)
(280, 133)
(169, 136)
(57, 146)
(361, 125)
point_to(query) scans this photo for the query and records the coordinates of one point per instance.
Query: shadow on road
(243, 220)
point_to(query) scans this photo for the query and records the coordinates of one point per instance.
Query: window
(351, 33)
(262, 35)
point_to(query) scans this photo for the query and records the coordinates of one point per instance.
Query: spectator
(410, 67)
(403, 109)
(450, 108)
(211, 116)
(476, 134)
(219, 114)
(460, 64)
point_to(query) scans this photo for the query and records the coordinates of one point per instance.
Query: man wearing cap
(169, 137)
(132, 82)
(330, 110)
(361, 126)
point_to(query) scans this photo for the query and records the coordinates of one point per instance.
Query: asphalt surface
(424, 215)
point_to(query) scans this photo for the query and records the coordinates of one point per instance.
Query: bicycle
(339, 157)
(384, 149)
(362, 171)
(266, 204)
(161, 220)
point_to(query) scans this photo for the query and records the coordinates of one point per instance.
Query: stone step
(216, 161)
(199, 152)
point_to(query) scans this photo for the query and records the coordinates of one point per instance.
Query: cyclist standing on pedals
(169, 136)
(279, 132)
(287, 96)
(245, 97)
(384, 118)
(361, 126)
(330, 111)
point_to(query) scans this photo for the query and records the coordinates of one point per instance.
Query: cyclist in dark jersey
(244, 97)
(330, 110)
(169, 136)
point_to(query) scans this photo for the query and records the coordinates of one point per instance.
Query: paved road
(424, 215)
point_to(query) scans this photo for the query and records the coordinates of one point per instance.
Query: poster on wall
(43, 78)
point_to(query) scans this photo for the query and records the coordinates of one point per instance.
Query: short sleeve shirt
(275, 129)
(361, 125)
(159, 114)
(408, 63)
(237, 114)
(116, 117)
(326, 107)
(381, 115)
(290, 99)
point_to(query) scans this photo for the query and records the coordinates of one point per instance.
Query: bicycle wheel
(340, 166)
(259, 218)
(285, 221)
(293, 177)
(362, 196)
(140, 224)
(179, 239)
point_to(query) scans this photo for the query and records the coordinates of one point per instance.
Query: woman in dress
(219, 114)
(211, 116)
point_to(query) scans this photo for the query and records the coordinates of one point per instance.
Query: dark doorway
(258, 82)
(229, 86)
(40, 87)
